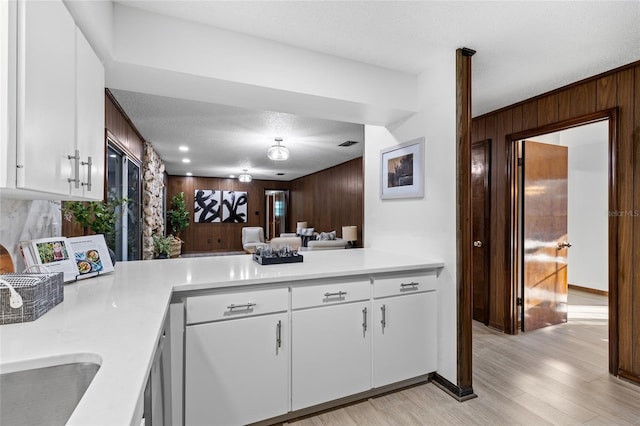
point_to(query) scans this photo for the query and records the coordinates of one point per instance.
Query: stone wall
(152, 199)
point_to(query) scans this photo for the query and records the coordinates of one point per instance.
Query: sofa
(338, 243)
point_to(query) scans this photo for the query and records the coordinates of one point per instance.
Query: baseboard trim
(461, 394)
(589, 290)
(345, 401)
(629, 376)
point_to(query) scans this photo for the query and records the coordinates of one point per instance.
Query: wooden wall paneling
(530, 115)
(547, 109)
(577, 100)
(636, 228)
(516, 122)
(606, 92)
(330, 199)
(625, 222)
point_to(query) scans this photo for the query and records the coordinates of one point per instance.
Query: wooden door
(545, 247)
(480, 211)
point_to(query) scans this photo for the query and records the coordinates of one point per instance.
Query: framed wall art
(402, 170)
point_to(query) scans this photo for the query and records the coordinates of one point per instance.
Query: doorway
(276, 212)
(563, 221)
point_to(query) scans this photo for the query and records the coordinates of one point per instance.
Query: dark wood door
(480, 211)
(545, 247)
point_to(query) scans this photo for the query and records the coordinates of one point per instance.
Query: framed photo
(402, 170)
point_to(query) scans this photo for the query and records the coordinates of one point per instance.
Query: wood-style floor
(556, 375)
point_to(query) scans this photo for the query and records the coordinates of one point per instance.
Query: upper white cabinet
(54, 120)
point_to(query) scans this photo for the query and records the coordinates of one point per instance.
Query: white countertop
(116, 319)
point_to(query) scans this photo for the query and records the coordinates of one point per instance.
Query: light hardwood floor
(556, 375)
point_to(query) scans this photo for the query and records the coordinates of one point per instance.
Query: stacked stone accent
(152, 198)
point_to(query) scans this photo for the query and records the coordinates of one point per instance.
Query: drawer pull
(338, 293)
(383, 308)
(411, 284)
(243, 306)
(364, 320)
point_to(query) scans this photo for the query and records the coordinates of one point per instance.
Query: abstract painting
(206, 206)
(234, 206)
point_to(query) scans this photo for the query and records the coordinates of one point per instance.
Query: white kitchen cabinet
(237, 370)
(57, 109)
(90, 138)
(331, 348)
(404, 337)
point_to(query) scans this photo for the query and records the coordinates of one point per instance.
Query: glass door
(123, 180)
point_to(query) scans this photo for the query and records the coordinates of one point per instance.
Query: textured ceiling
(525, 48)
(223, 140)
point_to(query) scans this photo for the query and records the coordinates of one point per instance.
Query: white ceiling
(545, 44)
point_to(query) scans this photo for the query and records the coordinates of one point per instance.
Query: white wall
(422, 227)
(588, 186)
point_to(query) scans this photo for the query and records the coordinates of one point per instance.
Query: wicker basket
(40, 293)
(176, 247)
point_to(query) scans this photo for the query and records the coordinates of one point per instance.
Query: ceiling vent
(348, 143)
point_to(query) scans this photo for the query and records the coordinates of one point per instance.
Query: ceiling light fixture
(189, 174)
(183, 148)
(186, 160)
(244, 176)
(278, 152)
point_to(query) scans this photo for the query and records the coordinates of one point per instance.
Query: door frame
(513, 196)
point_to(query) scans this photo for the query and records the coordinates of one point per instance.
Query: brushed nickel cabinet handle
(411, 284)
(384, 316)
(337, 293)
(76, 169)
(279, 334)
(89, 164)
(242, 306)
(364, 319)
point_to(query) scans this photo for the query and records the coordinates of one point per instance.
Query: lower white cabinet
(237, 371)
(404, 335)
(331, 348)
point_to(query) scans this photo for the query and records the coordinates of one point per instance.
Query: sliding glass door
(123, 180)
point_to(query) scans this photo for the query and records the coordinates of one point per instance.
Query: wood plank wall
(121, 129)
(327, 200)
(330, 199)
(617, 88)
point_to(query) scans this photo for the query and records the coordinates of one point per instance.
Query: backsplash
(25, 220)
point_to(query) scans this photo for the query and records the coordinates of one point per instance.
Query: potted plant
(162, 246)
(100, 217)
(178, 218)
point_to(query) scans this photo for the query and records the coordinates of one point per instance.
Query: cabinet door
(331, 353)
(405, 335)
(46, 96)
(90, 140)
(236, 372)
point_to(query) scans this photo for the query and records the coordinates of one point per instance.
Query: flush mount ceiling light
(278, 152)
(244, 176)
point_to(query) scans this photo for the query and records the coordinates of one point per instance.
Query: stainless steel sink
(44, 396)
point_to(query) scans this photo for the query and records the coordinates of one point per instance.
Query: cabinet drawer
(236, 305)
(391, 286)
(330, 294)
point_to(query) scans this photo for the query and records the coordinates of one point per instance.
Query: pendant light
(244, 176)
(278, 152)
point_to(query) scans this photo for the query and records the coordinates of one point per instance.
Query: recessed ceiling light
(232, 176)
(189, 174)
(186, 160)
(183, 148)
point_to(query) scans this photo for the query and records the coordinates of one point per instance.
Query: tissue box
(40, 293)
